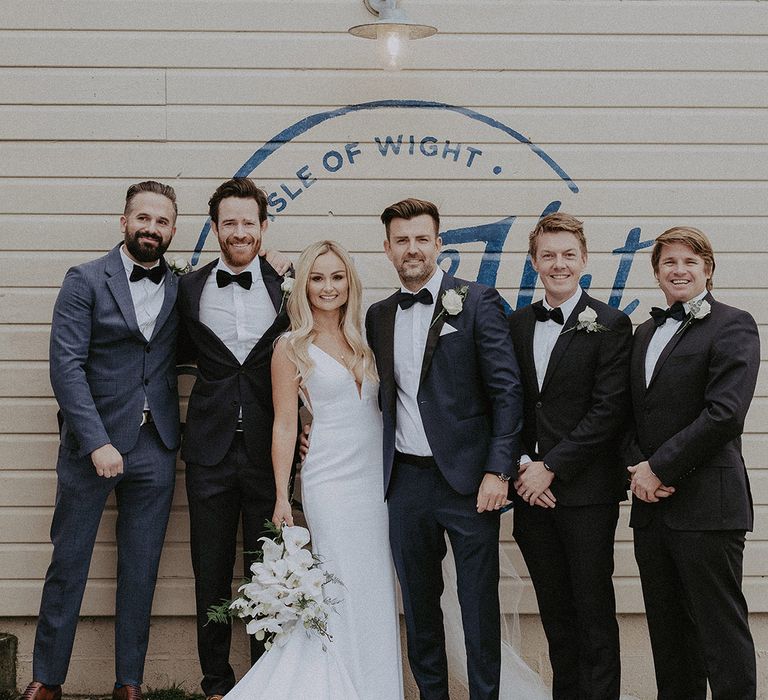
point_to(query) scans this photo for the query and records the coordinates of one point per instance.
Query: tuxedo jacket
(101, 365)
(579, 416)
(223, 385)
(688, 421)
(469, 394)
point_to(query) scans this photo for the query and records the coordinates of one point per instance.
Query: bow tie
(406, 300)
(153, 274)
(224, 279)
(544, 314)
(660, 316)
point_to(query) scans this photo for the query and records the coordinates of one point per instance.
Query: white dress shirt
(411, 329)
(239, 317)
(146, 295)
(661, 336)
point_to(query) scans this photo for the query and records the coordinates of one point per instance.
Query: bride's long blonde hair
(350, 315)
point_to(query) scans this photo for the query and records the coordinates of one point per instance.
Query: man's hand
(107, 461)
(646, 485)
(492, 494)
(304, 442)
(532, 484)
(279, 261)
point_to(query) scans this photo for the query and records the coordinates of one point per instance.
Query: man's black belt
(423, 462)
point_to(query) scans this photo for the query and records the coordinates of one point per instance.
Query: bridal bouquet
(286, 589)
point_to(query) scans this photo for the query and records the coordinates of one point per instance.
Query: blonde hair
(557, 223)
(350, 316)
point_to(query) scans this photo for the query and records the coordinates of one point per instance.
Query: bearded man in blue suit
(451, 403)
(112, 365)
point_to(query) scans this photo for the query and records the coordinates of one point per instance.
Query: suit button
(539, 404)
(234, 403)
(147, 349)
(146, 382)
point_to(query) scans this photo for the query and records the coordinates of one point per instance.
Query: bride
(325, 361)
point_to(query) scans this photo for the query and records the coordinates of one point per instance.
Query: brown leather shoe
(37, 691)
(127, 692)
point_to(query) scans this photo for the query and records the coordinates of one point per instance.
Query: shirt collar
(433, 284)
(698, 297)
(568, 305)
(128, 263)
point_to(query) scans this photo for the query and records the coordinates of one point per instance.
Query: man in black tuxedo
(574, 359)
(451, 404)
(694, 368)
(231, 313)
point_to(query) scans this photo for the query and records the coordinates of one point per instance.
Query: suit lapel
(272, 282)
(171, 283)
(564, 339)
(436, 326)
(643, 336)
(117, 282)
(386, 347)
(527, 361)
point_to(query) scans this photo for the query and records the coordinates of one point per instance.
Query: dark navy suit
(102, 368)
(689, 546)
(470, 402)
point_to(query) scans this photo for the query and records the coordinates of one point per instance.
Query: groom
(451, 402)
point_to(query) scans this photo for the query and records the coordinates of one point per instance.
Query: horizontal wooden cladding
(27, 86)
(543, 125)
(21, 269)
(304, 50)
(352, 197)
(503, 89)
(98, 233)
(450, 16)
(138, 86)
(38, 415)
(392, 155)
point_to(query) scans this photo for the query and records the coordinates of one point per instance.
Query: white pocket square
(446, 329)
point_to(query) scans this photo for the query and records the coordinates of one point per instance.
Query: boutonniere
(587, 321)
(179, 266)
(286, 287)
(696, 311)
(453, 302)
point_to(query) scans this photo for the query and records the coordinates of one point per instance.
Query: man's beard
(142, 252)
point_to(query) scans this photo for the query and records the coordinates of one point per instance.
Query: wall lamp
(392, 30)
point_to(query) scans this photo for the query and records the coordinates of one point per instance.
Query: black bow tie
(153, 274)
(544, 314)
(224, 279)
(660, 316)
(406, 300)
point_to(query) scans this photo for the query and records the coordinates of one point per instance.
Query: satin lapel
(433, 335)
(272, 282)
(117, 282)
(564, 339)
(643, 336)
(386, 347)
(527, 361)
(171, 283)
(666, 352)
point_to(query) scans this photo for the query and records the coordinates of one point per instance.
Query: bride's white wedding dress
(342, 495)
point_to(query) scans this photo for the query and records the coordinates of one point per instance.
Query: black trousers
(422, 509)
(219, 497)
(696, 611)
(569, 553)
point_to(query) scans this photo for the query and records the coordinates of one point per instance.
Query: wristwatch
(501, 477)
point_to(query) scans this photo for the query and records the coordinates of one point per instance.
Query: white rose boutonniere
(179, 266)
(587, 321)
(696, 311)
(286, 287)
(453, 302)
